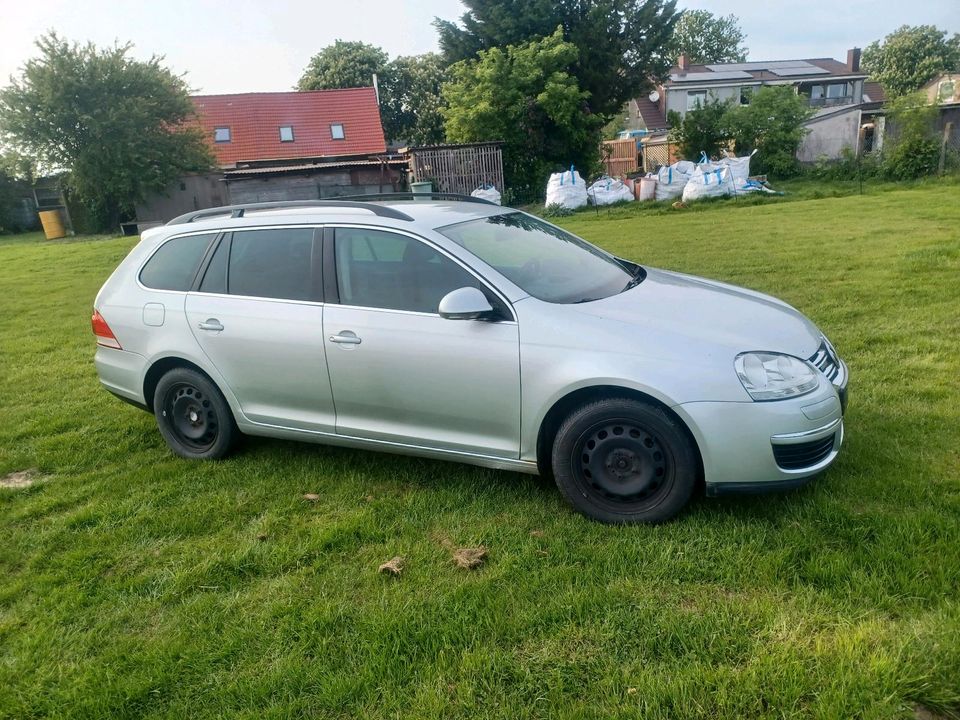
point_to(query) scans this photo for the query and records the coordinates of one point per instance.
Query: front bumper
(750, 447)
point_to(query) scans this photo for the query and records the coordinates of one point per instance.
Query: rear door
(257, 314)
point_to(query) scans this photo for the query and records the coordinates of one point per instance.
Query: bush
(556, 210)
(912, 148)
(846, 167)
(702, 130)
(772, 124)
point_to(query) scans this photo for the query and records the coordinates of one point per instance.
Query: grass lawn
(135, 584)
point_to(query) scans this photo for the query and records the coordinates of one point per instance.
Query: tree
(344, 64)
(525, 96)
(708, 38)
(909, 57)
(410, 99)
(701, 130)
(121, 127)
(620, 43)
(772, 124)
(912, 148)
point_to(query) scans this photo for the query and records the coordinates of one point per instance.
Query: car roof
(400, 214)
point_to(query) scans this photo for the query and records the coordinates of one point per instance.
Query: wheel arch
(565, 405)
(161, 366)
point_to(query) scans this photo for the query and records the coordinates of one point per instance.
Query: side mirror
(466, 303)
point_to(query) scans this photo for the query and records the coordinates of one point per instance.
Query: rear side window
(174, 264)
(273, 264)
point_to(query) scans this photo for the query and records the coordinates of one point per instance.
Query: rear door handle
(211, 324)
(345, 338)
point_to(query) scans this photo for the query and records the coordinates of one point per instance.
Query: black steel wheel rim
(191, 417)
(624, 463)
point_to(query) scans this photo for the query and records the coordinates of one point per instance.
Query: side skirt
(322, 438)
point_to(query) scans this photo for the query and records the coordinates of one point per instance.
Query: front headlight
(772, 376)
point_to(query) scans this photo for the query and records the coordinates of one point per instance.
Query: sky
(247, 46)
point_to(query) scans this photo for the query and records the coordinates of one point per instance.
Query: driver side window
(379, 269)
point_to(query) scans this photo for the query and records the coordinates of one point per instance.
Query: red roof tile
(255, 119)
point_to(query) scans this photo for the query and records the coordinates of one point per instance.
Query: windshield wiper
(638, 276)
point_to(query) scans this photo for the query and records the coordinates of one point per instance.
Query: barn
(284, 146)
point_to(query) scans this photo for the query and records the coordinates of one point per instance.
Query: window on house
(696, 98)
(839, 90)
(221, 134)
(336, 131)
(745, 95)
(286, 133)
(946, 90)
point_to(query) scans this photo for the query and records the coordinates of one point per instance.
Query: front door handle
(345, 338)
(211, 324)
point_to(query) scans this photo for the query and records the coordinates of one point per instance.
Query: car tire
(193, 416)
(624, 461)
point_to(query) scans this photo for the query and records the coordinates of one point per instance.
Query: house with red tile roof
(254, 128)
(285, 146)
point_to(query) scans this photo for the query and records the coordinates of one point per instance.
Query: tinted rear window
(273, 264)
(174, 264)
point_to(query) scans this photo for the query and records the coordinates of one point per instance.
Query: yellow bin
(52, 222)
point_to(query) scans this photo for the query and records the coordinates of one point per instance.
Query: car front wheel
(193, 416)
(624, 461)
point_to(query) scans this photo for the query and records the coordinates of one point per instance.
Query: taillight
(103, 332)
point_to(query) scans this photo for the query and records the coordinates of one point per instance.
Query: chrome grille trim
(826, 361)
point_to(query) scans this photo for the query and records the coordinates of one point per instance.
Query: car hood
(706, 311)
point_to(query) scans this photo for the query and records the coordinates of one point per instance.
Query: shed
(457, 168)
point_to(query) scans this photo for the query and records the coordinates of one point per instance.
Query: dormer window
(286, 133)
(336, 131)
(221, 134)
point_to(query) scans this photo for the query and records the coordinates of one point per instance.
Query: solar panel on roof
(707, 76)
(791, 72)
(760, 65)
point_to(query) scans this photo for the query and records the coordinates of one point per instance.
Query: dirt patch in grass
(20, 479)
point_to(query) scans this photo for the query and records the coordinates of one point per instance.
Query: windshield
(542, 260)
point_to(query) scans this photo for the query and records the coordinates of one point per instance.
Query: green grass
(134, 584)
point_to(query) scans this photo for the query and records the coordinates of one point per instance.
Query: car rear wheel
(193, 416)
(624, 461)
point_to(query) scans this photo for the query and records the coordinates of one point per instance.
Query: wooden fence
(458, 168)
(619, 157)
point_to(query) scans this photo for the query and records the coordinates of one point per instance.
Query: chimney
(684, 62)
(853, 60)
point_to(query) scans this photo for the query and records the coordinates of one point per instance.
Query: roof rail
(237, 211)
(418, 196)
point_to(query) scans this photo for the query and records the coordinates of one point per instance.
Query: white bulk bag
(670, 182)
(739, 166)
(608, 190)
(709, 183)
(487, 192)
(567, 189)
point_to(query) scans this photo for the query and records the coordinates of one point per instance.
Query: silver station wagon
(472, 332)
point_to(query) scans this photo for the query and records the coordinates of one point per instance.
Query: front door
(257, 315)
(399, 371)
